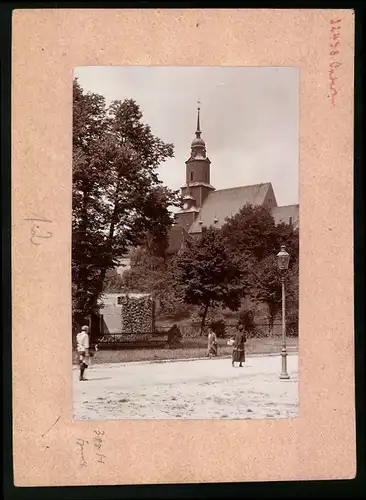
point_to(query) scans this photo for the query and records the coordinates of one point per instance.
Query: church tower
(197, 185)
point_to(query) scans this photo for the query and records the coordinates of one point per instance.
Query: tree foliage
(208, 276)
(118, 199)
(253, 235)
(267, 287)
(153, 274)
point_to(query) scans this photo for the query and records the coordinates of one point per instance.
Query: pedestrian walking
(82, 346)
(238, 355)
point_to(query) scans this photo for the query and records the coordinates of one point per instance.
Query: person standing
(82, 346)
(211, 344)
(239, 347)
(174, 336)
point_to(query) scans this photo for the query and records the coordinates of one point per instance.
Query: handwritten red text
(334, 50)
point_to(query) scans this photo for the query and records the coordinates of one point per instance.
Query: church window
(191, 176)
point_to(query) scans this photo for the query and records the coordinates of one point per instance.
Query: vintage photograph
(185, 242)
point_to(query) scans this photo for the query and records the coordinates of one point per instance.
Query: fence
(259, 329)
(189, 330)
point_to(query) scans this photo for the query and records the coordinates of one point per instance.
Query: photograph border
(358, 284)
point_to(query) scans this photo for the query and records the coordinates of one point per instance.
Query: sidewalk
(201, 389)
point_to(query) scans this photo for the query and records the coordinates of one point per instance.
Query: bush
(216, 322)
(292, 323)
(219, 328)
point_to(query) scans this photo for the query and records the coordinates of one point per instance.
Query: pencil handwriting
(98, 445)
(81, 443)
(38, 230)
(53, 425)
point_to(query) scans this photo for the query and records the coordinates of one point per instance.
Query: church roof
(224, 203)
(286, 214)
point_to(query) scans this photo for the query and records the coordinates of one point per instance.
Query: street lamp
(283, 259)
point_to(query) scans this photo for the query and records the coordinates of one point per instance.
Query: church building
(204, 206)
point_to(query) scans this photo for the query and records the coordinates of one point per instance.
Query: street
(201, 389)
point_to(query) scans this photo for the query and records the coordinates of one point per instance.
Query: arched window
(192, 174)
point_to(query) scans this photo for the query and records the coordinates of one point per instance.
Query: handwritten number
(36, 233)
(81, 442)
(101, 458)
(334, 45)
(99, 433)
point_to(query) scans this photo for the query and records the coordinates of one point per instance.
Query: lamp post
(283, 259)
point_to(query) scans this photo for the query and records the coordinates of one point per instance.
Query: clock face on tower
(185, 206)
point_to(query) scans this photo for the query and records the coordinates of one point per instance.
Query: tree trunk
(270, 328)
(270, 319)
(103, 271)
(204, 317)
(82, 275)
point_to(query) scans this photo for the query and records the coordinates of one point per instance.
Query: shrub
(292, 323)
(216, 322)
(218, 326)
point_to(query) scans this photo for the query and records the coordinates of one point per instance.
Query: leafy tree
(118, 198)
(267, 288)
(287, 235)
(208, 275)
(292, 299)
(251, 233)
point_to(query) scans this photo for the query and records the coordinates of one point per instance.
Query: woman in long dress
(239, 347)
(212, 344)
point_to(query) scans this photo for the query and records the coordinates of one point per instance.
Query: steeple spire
(198, 131)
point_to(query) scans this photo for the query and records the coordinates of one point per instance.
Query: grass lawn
(190, 348)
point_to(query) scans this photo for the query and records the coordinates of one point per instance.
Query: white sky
(249, 119)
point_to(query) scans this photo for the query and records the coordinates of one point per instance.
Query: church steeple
(197, 186)
(198, 146)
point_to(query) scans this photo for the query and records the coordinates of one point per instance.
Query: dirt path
(208, 388)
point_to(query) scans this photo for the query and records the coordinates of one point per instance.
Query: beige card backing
(49, 448)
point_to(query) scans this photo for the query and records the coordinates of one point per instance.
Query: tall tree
(251, 232)
(253, 235)
(266, 277)
(118, 198)
(208, 275)
(266, 289)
